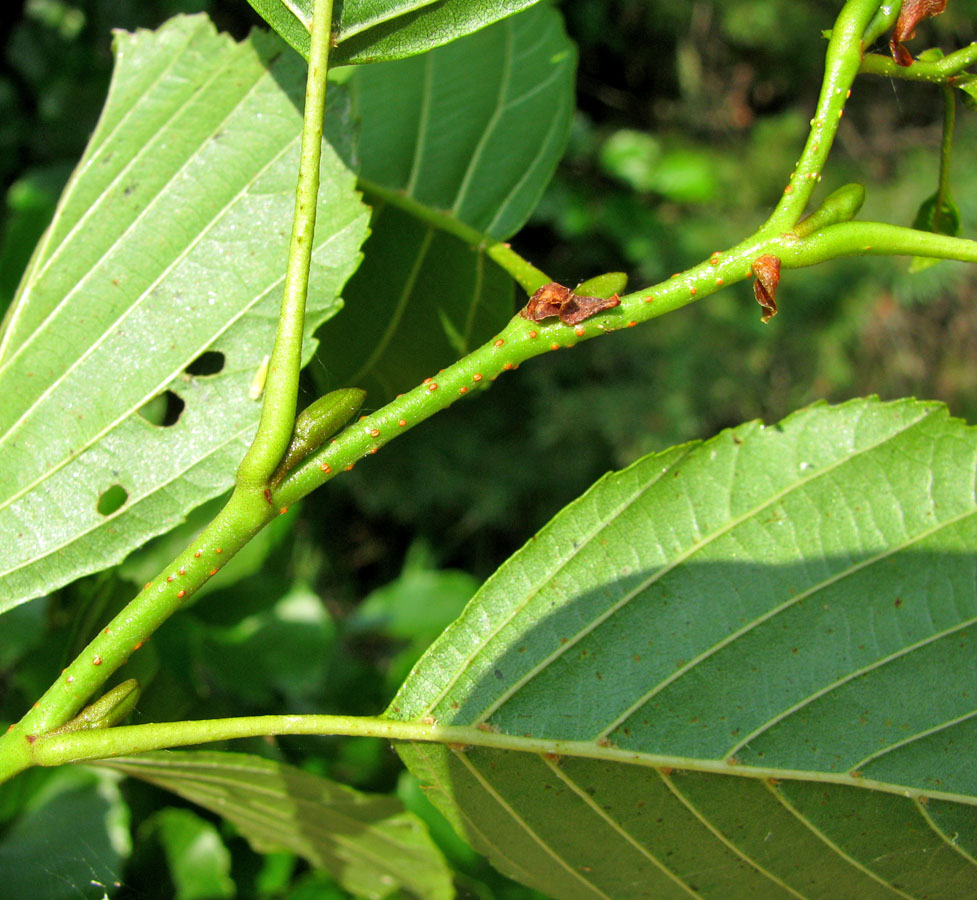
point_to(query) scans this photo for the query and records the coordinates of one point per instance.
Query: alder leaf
(367, 31)
(156, 289)
(938, 217)
(744, 668)
(472, 131)
(368, 842)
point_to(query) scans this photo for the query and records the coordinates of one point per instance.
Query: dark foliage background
(691, 115)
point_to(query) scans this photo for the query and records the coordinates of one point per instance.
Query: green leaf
(474, 129)
(199, 861)
(927, 219)
(948, 220)
(70, 843)
(30, 205)
(421, 299)
(367, 842)
(160, 275)
(968, 90)
(374, 30)
(740, 668)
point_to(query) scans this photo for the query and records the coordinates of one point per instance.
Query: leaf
(421, 299)
(71, 841)
(375, 30)
(968, 91)
(740, 668)
(476, 128)
(473, 130)
(367, 842)
(199, 861)
(160, 277)
(947, 222)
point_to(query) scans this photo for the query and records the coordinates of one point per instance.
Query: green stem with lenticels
(828, 233)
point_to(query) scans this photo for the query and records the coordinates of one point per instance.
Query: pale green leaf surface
(476, 128)
(367, 842)
(755, 660)
(367, 31)
(170, 241)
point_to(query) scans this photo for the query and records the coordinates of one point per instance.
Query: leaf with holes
(367, 31)
(745, 668)
(472, 131)
(126, 361)
(369, 843)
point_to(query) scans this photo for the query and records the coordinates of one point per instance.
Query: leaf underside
(169, 243)
(366, 31)
(421, 300)
(369, 843)
(475, 130)
(754, 661)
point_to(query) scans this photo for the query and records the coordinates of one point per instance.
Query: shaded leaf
(754, 661)
(70, 843)
(199, 861)
(160, 277)
(943, 218)
(374, 30)
(421, 299)
(474, 130)
(367, 842)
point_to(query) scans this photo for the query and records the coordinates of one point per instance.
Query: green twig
(842, 61)
(939, 71)
(522, 271)
(248, 511)
(281, 386)
(946, 148)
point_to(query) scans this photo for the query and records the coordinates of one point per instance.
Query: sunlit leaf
(745, 668)
(159, 278)
(367, 842)
(374, 30)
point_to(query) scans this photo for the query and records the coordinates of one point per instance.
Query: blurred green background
(691, 116)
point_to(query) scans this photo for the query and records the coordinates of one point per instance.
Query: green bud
(602, 286)
(316, 424)
(839, 206)
(108, 710)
